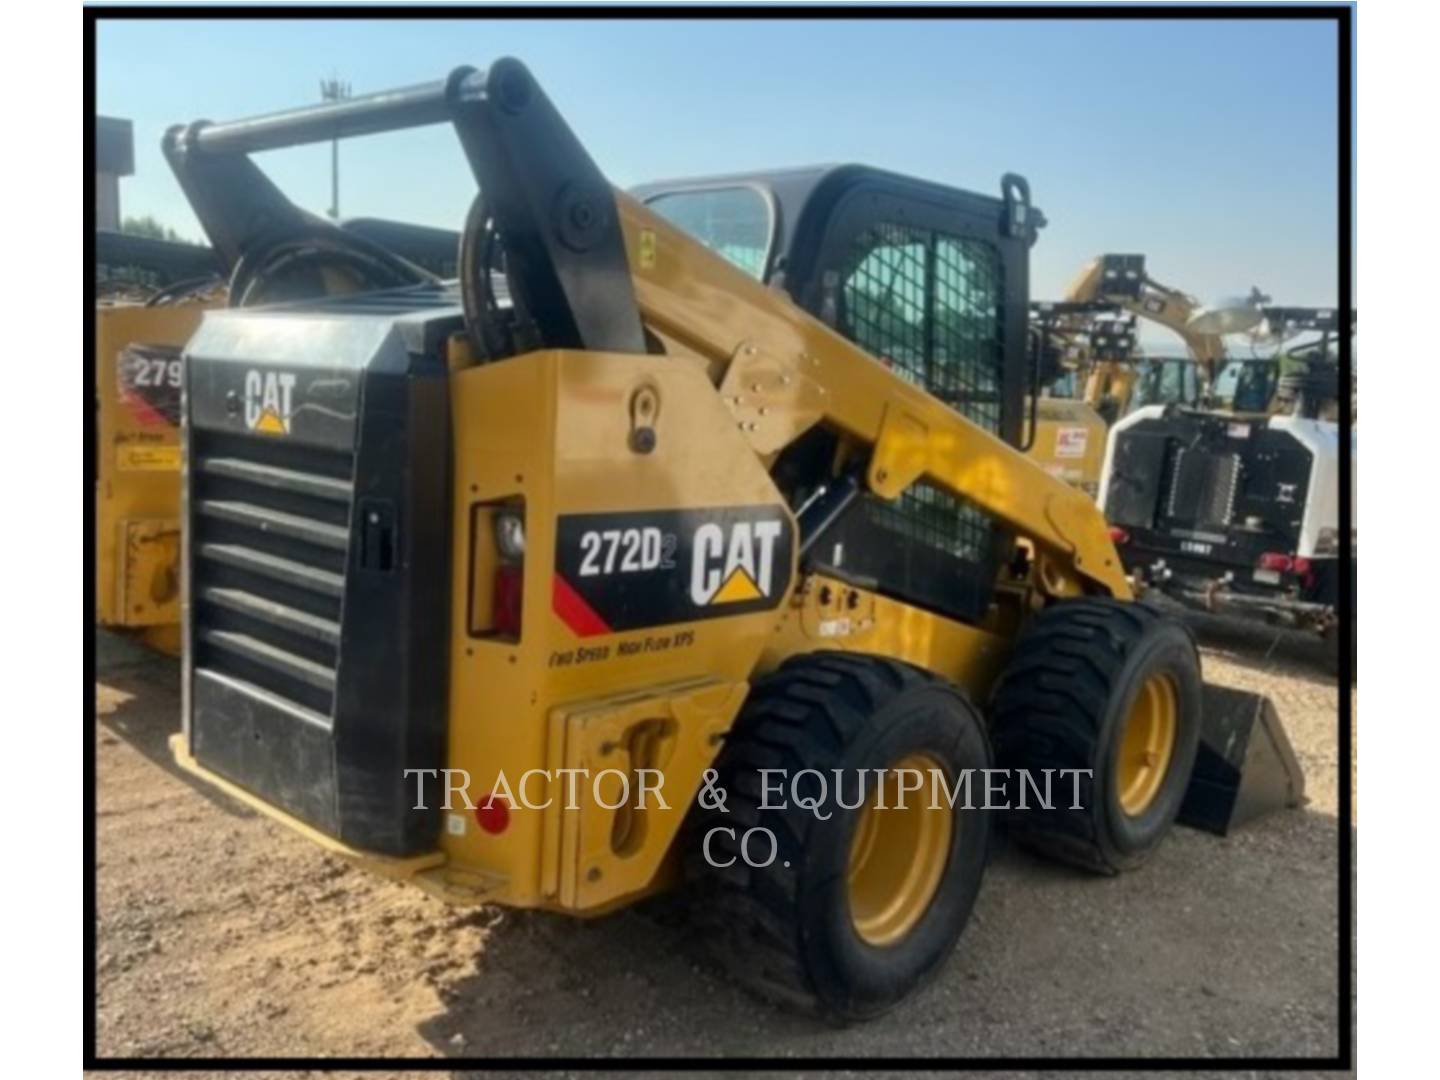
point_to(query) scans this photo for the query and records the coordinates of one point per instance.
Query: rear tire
(1334, 653)
(840, 924)
(1111, 687)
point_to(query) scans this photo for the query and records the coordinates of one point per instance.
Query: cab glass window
(1245, 385)
(1254, 387)
(1166, 381)
(733, 222)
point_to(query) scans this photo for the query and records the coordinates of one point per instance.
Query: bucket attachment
(1245, 767)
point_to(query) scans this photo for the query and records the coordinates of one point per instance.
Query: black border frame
(1342, 15)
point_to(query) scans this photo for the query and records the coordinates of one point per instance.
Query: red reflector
(1275, 560)
(1118, 535)
(492, 814)
(1301, 564)
(509, 599)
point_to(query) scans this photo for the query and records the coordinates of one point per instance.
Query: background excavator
(1122, 280)
(1096, 372)
(716, 480)
(1096, 326)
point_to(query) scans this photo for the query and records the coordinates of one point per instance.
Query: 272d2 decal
(626, 571)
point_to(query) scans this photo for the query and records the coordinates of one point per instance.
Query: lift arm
(586, 266)
(781, 371)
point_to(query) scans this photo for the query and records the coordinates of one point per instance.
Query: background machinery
(1221, 474)
(1083, 370)
(1122, 280)
(1094, 370)
(1096, 326)
(614, 504)
(1238, 509)
(150, 295)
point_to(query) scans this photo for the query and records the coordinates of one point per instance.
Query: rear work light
(508, 592)
(510, 536)
(508, 599)
(497, 569)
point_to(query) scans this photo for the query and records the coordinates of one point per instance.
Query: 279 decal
(150, 377)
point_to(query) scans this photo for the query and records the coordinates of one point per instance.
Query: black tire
(785, 930)
(1062, 703)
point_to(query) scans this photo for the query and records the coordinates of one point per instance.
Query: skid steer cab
(671, 520)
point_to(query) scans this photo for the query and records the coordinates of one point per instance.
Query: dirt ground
(221, 933)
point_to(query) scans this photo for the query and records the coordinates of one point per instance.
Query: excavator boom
(1121, 279)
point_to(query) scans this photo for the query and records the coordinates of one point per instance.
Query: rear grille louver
(313, 677)
(271, 535)
(1203, 487)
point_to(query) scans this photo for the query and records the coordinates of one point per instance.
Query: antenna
(334, 89)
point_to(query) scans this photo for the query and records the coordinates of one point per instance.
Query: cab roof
(802, 200)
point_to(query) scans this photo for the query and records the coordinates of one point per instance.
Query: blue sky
(1207, 145)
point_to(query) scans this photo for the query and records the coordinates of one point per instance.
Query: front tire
(860, 907)
(1112, 689)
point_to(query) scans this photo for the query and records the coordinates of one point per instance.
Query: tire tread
(1048, 707)
(802, 716)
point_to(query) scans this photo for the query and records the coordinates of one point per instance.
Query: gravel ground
(221, 933)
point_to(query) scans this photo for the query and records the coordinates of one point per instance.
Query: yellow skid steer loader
(684, 536)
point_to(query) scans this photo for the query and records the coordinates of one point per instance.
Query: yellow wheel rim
(898, 855)
(1147, 744)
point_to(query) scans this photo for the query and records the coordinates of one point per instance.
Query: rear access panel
(315, 555)
(150, 581)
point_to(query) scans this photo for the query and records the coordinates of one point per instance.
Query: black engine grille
(1203, 487)
(271, 533)
(315, 660)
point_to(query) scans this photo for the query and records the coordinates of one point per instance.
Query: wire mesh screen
(966, 355)
(928, 306)
(932, 517)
